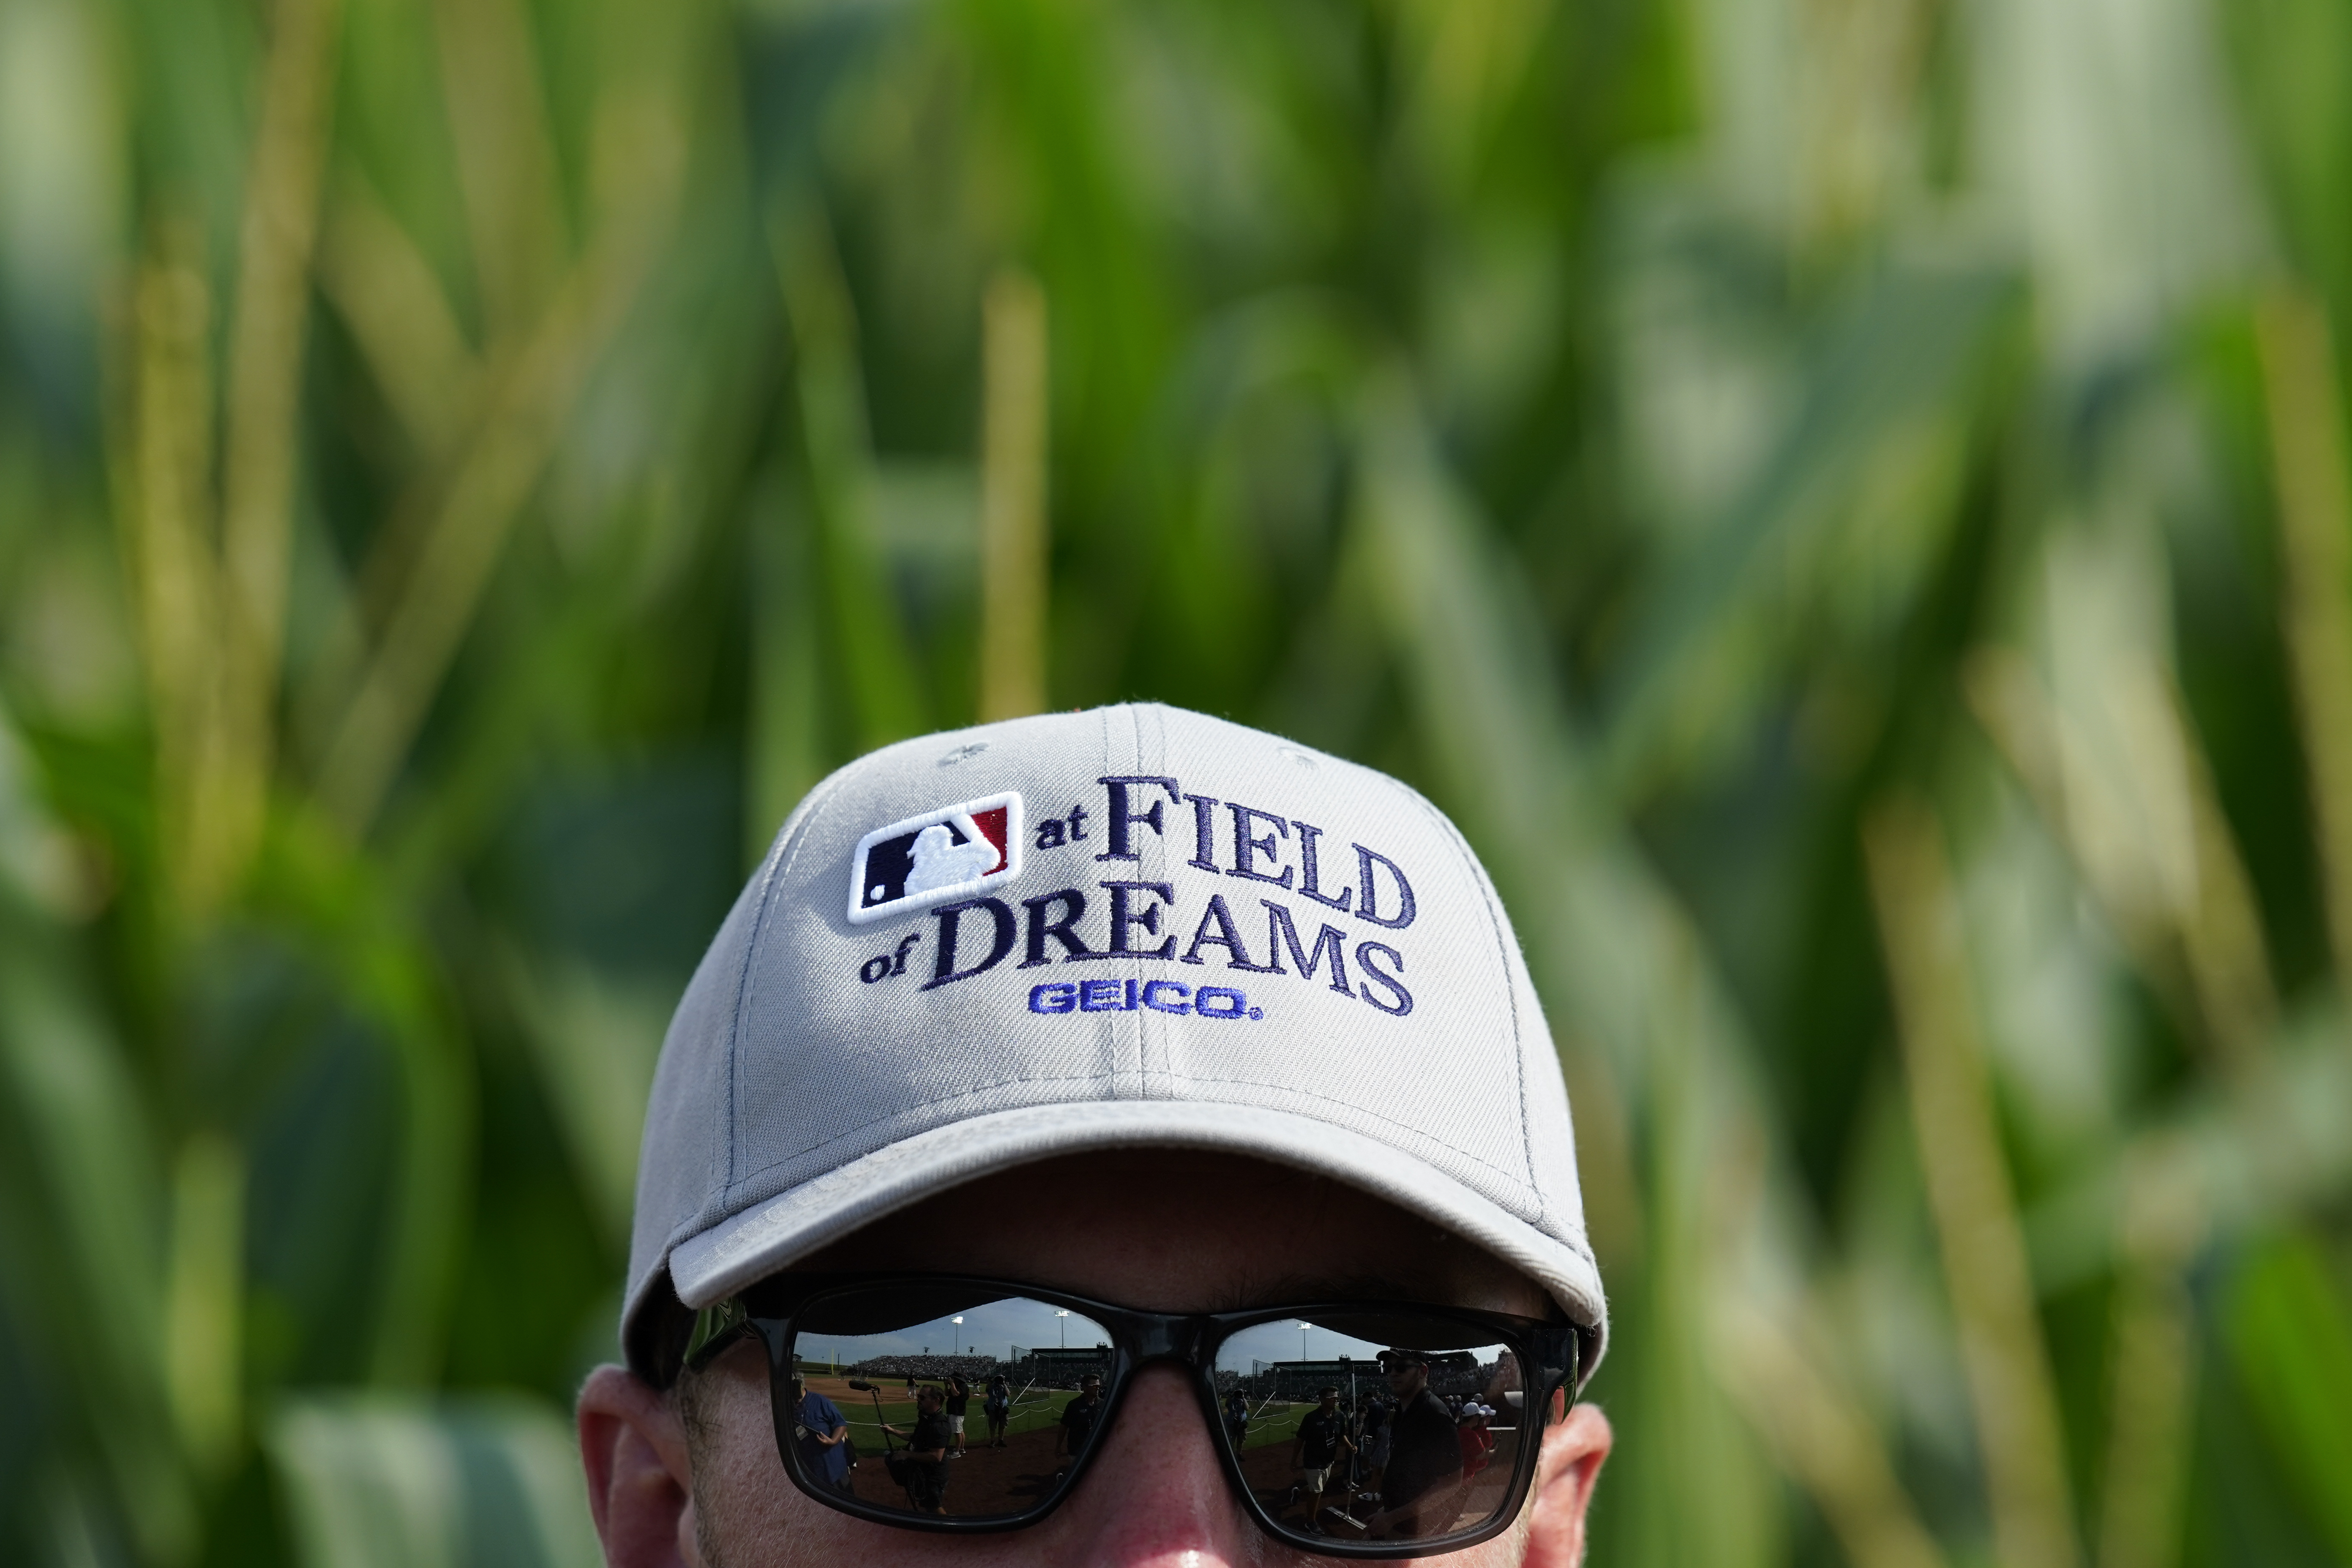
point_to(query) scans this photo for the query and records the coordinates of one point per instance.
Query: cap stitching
(1503, 947)
(788, 849)
(977, 1089)
(1118, 760)
(1153, 1055)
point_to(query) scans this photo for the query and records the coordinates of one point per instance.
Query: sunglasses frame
(1546, 1352)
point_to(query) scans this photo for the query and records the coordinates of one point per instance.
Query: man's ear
(1565, 1473)
(640, 1484)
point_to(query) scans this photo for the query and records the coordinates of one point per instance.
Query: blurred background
(1846, 503)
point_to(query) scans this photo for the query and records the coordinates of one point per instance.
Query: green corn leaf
(384, 1483)
(2290, 1334)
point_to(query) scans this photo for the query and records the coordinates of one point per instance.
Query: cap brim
(795, 1224)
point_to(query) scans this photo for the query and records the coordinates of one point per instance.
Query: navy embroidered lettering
(1309, 883)
(1104, 996)
(1375, 976)
(1366, 909)
(1077, 824)
(883, 964)
(1204, 832)
(1230, 1004)
(1123, 919)
(1124, 816)
(1155, 989)
(1227, 936)
(1074, 909)
(1049, 833)
(945, 973)
(1052, 999)
(1329, 940)
(1246, 850)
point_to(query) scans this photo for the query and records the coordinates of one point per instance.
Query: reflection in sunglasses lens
(1373, 1427)
(919, 1401)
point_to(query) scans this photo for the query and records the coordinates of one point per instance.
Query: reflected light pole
(1065, 1316)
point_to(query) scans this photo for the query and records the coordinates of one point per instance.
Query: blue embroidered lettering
(874, 968)
(1246, 850)
(945, 973)
(1369, 897)
(1122, 919)
(1049, 833)
(1204, 832)
(1077, 825)
(1227, 937)
(1310, 884)
(1331, 940)
(1073, 907)
(1230, 1004)
(1124, 816)
(1375, 976)
(1127, 995)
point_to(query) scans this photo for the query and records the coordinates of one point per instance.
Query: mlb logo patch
(951, 853)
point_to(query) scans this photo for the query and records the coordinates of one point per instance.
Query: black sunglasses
(1430, 1445)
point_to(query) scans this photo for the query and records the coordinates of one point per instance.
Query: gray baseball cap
(1129, 927)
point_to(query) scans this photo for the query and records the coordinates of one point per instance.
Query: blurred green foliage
(1845, 502)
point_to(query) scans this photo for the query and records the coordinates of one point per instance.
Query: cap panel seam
(1503, 945)
(1152, 1055)
(796, 834)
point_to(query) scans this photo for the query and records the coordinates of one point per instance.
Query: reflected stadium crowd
(930, 1366)
(1278, 1381)
(1413, 1445)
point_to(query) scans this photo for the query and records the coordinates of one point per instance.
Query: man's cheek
(745, 1508)
(748, 1514)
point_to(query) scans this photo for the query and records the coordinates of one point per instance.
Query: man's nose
(1156, 1497)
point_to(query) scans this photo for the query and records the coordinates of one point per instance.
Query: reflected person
(823, 1435)
(998, 1408)
(959, 1401)
(1238, 1418)
(1476, 1443)
(1375, 1440)
(1322, 1437)
(927, 1452)
(1080, 1418)
(1424, 1466)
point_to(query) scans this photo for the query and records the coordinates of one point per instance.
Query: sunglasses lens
(1375, 1427)
(955, 1405)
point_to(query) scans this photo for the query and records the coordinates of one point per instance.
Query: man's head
(929, 1399)
(1209, 1024)
(1407, 1373)
(1329, 1398)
